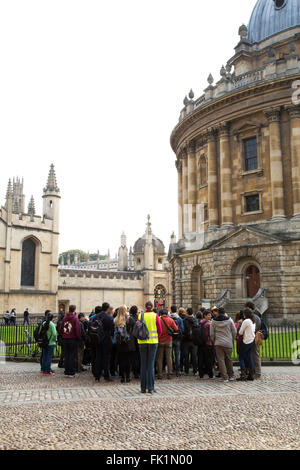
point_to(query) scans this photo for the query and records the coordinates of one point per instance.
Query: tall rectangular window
(252, 203)
(250, 154)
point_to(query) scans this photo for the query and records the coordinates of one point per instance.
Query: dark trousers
(176, 346)
(26, 320)
(101, 358)
(71, 355)
(124, 363)
(113, 361)
(245, 356)
(205, 360)
(62, 356)
(135, 363)
(189, 349)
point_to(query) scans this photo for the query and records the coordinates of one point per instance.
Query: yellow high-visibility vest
(150, 320)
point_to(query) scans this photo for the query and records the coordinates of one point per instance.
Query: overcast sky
(96, 87)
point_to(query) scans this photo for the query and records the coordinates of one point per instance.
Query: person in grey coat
(223, 333)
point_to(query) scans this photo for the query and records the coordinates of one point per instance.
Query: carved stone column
(180, 212)
(213, 210)
(273, 116)
(294, 112)
(185, 191)
(225, 166)
(192, 185)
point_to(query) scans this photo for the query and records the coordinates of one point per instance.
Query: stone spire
(149, 229)
(31, 207)
(108, 260)
(123, 239)
(51, 183)
(9, 196)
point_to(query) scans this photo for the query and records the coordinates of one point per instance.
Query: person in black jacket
(124, 340)
(103, 351)
(189, 349)
(82, 341)
(135, 360)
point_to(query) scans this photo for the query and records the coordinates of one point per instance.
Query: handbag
(173, 333)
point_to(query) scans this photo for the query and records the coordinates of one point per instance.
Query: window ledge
(252, 213)
(202, 186)
(258, 172)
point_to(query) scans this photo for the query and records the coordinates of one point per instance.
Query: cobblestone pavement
(38, 412)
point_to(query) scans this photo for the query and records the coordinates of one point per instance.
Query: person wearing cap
(165, 344)
(159, 307)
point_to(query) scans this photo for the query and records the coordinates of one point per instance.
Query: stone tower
(123, 254)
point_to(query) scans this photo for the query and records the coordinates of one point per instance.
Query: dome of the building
(270, 17)
(139, 246)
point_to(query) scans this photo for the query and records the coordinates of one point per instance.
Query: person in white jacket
(247, 330)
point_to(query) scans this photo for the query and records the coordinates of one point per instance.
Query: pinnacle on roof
(51, 183)
(9, 192)
(31, 206)
(16, 207)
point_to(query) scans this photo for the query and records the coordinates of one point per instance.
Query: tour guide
(148, 349)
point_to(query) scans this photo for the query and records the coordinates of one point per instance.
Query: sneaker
(143, 391)
(231, 379)
(47, 373)
(225, 381)
(70, 376)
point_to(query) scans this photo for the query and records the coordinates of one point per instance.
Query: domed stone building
(238, 162)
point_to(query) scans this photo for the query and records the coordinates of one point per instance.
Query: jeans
(190, 349)
(148, 355)
(176, 354)
(26, 320)
(47, 358)
(246, 359)
(71, 352)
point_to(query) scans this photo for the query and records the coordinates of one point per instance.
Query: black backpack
(188, 330)
(95, 332)
(140, 330)
(122, 335)
(198, 335)
(40, 335)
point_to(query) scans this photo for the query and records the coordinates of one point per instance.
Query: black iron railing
(283, 342)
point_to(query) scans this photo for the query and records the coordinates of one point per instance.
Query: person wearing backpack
(148, 347)
(124, 341)
(189, 348)
(176, 344)
(223, 334)
(205, 347)
(169, 328)
(260, 327)
(51, 335)
(135, 361)
(70, 330)
(104, 347)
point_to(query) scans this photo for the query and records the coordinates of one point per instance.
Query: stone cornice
(273, 114)
(192, 127)
(294, 111)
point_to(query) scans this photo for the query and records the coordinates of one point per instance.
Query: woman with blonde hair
(125, 342)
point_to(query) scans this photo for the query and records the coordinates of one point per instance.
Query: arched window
(28, 263)
(203, 170)
(160, 293)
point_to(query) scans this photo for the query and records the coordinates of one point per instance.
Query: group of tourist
(126, 342)
(10, 318)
